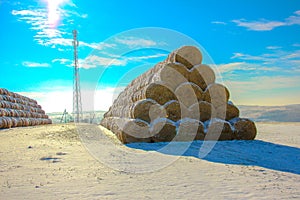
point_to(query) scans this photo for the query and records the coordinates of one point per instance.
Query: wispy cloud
(135, 42)
(34, 64)
(265, 90)
(141, 58)
(94, 61)
(50, 23)
(278, 57)
(267, 25)
(273, 47)
(249, 68)
(261, 25)
(91, 62)
(265, 83)
(276, 62)
(219, 22)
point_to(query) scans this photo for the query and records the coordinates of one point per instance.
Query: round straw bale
(244, 129)
(187, 55)
(136, 130)
(190, 129)
(103, 122)
(163, 130)
(130, 130)
(147, 110)
(173, 74)
(3, 91)
(26, 122)
(159, 93)
(216, 94)
(14, 122)
(202, 111)
(188, 93)
(230, 111)
(9, 122)
(173, 110)
(1, 122)
(19, 123)
(218, 129)
(2, 112)
(5, 122)
(202, 75)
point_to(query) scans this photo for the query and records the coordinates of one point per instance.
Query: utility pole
(77, 105)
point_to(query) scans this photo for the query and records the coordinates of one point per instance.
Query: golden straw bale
(244, 129)
(188, 93)
(14, 122)
(190, 129)
(163, 130)
(172, 75)
(3, 91)
(202, 111)
(173, 110)
(159, 93)
(128, 130)
(202, 75)
(1, 122)
(228, 111)
(146, 109)
(217, 129)
(187, 55)
(9, 122)
(216, 94)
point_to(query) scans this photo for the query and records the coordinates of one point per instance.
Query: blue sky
(254, 46)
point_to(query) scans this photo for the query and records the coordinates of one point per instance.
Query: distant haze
(288, 113)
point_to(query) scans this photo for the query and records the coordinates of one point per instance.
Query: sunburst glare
(54, 12)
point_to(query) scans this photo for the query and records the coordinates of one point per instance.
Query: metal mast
(77, 106)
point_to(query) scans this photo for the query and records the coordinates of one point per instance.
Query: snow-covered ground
(51, 162)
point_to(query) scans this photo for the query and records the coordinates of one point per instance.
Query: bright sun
(54, 11)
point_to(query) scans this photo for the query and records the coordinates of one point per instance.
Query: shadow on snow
(256, 153)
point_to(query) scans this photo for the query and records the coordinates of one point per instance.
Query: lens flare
(54, 11)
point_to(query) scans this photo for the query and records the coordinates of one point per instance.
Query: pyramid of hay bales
(177, 100)
(17, 110)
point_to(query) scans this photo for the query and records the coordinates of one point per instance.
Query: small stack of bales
(177, 100)
(17, 110)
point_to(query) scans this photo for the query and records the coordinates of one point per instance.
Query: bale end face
(189, 130)
(163, 130)
(218, 130)
(244, 129)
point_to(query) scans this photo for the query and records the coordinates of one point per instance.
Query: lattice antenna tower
(77, 105)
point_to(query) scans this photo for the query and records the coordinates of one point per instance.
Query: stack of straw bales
(17, 110)
(177, 100)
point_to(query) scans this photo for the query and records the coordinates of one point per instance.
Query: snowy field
(52, 162)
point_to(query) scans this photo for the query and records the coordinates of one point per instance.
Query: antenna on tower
(77, 106)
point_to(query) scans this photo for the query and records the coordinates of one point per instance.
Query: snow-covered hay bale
(189, 93)
(173, 110)
(244, 129)
(189, 56)
(202, 75)
(17, 110)
(190, 129)
(172, 100)
(163, 130)
(201, 110)
(217, 129)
